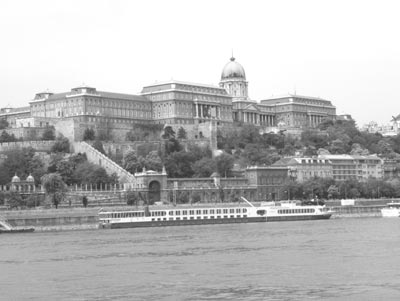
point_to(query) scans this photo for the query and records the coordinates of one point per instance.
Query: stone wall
(39, 146)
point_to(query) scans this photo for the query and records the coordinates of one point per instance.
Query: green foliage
(182, 134)
(13, 199)
(84, 201)
(169, 133)
(204, 167)
(179, 164)
(61, 145)
(91, 174)
(224, 164)
(55, 187)
(89, 134)
(144, 132)
(172, 145)
(132, 198)
(48, 133)
(21, 162)
(6, 137)
(33, 200)
(130, 162)
(99, 146)
(3, 123)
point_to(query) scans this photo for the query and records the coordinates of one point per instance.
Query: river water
(337, 259)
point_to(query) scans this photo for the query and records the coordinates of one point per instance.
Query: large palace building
(179, 104)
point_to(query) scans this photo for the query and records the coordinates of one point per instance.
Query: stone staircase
(94, 156)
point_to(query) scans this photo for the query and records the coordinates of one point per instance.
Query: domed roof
(15, 179)
(30, 178)
(233, 70)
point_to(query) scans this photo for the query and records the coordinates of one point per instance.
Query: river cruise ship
(177, 216)
(391, 210)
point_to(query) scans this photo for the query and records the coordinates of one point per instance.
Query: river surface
(337, 259)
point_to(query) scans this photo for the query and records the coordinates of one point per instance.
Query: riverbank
(68, 219)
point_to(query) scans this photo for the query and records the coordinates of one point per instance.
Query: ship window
(237, 215)
(218, 211)
(225, 216)
(184, 212)
(198, 211)
(212, 211)
(184, 217)
(212, 217)
(245, 215)
(205, 217)
(191, 212)
(171, 218)
(205, 211)
(164, 219)
(225, 210)
(178, 218)
(244, 210)
(177, 212)
(231, 210)
(171, 213)
(238, 210)
(218, 216)
(232, 216)
(192, 217)
(158, 219)
(153, 219)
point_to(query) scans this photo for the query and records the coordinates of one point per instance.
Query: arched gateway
(154, 192)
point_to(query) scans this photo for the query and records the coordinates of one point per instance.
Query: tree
(89, 134)
(13, 199)
(3, 123)
(224, 164)
(168, 133)
(204, 167)
(55, 187)
(61, 145)
(48, 134)
(84, 201)
(152, 161)
(6, 137)
(130, 162)
(99, 146)
(182, 134)
(179, 164)
(172, 145)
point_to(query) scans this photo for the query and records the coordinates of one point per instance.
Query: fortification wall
(39, 146)
(94, 156)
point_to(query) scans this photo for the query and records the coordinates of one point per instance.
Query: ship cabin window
(171, 213)
(244, 210)
(171, 218)
(231, 210)
(218, 216)
(261, 212)
(205, 211)
(232, 216)
(205, 217)
(225, 216)
(184, 217)
(225, 211)
(178, 218)
(237, 210)
(199, 217)
(184, 212)
(177, 212)
(191, 212)
(192, 217)
(218, 211)
(237, 215)
(212, 217)
(212, 211)
(159, 219)
(164, 218)
(198, 212)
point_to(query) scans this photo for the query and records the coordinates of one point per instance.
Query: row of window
(296, 211)
(197, 217)
(174, 212)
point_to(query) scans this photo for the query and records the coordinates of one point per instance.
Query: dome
(15, 179)
(233, 70)
(30, 178)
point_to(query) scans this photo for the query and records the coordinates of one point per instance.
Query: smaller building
(269, 181)
(346, 167)
(303, 169)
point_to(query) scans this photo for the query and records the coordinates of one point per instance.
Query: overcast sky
(344, 51)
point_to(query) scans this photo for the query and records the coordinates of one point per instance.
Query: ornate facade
(173, 102)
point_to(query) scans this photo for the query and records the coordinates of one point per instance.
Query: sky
(345, 51)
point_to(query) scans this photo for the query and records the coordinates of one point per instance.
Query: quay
(70, 218)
